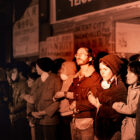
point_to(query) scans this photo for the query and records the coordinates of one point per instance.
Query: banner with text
(70, 8)
(127, 38)
(60, 46)
(26, 33)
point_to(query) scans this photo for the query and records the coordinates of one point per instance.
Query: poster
(60, 46)
(26, 33)
(70, 8)
(127, 38)
(96, 35)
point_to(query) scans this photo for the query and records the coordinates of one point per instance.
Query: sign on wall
(70, 8)
(60, 46)
(26, 33)
(127, 38)
(96, 35)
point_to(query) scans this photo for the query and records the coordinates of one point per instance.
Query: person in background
(57, 65)
(5, 101)
(67, 73)
(128, 130)
(32, 77)
(135, 57)
(86, 79)
(45, 111)
(108, 121)
(20, 126)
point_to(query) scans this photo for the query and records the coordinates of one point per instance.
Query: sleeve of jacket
(118, 94)
(129, 108)
(54, 106)
(21, 102)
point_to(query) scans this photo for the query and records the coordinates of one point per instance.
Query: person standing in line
(5, 101)
(20, 126)
(128, 130)
(67, 72)
(86, 79)
(32, 77)
(45, 112)
(108, 121)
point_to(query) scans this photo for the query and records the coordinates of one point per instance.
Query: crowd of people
(85, 99)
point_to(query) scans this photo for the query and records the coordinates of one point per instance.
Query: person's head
(135, 57)
(67, 69)
(20, 70)
(31, 78)
(133, 73)
(83, 56)
(57, 65)
(109, 66)
(44, 64)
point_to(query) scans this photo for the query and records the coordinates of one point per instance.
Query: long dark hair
(135, 68)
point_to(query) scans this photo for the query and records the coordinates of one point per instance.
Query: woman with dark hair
(5, 99)
(44, 89)
(128, 130)
(107, 120)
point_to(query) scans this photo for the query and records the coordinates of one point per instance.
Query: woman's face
(105, 72)
(38, 70)
(14, 74)
(132, 78)
(63, 72)
(30, 82)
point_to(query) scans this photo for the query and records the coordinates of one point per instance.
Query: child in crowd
(128, 129)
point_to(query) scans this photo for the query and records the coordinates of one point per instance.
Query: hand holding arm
(93, 100)
(39, 114)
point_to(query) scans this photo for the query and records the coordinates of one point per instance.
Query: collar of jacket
(86, 73)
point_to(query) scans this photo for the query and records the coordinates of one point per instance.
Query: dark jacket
(108, 121)
(43, 95)
(81, 88)
(19, 104)
(5, 99)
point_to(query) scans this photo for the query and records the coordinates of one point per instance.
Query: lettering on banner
(94, 35)
(74, 3)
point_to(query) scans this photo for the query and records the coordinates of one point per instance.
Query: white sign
(127, 38)
(26, 33)
(61, 46)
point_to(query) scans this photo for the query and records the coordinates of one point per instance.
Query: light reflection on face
(81, 56)
(38, 70)
(14, 74)
(132, 78)
(105, 72)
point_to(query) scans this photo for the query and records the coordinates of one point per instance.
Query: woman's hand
(28, 98)
(93, 100)
(73, 105)
(59, 94)
(38, 115)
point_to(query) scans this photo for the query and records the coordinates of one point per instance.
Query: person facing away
(85, 79)
(128, 130)
(46, 109)
(107, 120)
